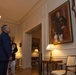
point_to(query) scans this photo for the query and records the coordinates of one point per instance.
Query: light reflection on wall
(18, 53)
(57, 52)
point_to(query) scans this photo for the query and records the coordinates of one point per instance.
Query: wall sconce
(20, 44)
(50, 47)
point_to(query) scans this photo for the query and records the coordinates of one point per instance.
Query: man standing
(5, 49)
(59, 25)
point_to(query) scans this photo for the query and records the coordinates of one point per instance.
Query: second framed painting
(60, 25)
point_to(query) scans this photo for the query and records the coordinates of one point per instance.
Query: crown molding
(10, 21)
(38, 5)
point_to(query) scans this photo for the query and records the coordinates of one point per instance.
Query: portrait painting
(60, 24)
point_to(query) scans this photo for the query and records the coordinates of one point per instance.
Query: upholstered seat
(70, 67)
(58, 72)
(61, 72)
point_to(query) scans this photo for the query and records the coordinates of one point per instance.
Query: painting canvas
(60, 25)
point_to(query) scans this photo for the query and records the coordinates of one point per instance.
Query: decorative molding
(34, 9)
(73, 7)
(9, 21)
(58, 57)
(66, 48)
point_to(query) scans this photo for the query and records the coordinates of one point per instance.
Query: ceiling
(15, 10)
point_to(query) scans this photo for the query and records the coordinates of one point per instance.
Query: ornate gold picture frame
(60, 25)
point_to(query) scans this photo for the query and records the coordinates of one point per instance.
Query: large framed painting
(60, 25)
(35, 44)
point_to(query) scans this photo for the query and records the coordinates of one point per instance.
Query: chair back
(70, 67)
(71, 60)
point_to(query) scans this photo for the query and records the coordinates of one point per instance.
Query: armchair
(70, 67)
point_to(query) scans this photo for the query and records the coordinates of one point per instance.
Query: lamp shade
(50, 47)
(36, 50)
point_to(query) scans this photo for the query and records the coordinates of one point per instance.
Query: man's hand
(62, 27)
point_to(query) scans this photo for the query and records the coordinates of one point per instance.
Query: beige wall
(39, 14)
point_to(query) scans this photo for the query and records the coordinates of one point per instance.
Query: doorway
(35, 44)
(32, 45)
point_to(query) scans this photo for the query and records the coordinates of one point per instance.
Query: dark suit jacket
(5, 47)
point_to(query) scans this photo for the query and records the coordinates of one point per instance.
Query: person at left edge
(5, 49)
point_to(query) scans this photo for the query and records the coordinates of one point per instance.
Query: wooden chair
(70, 67)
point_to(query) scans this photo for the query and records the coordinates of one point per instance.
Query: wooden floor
(31, 71)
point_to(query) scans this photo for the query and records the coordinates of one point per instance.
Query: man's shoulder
(4, 34)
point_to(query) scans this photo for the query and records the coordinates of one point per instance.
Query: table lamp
(50, 47)
(36, 50)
